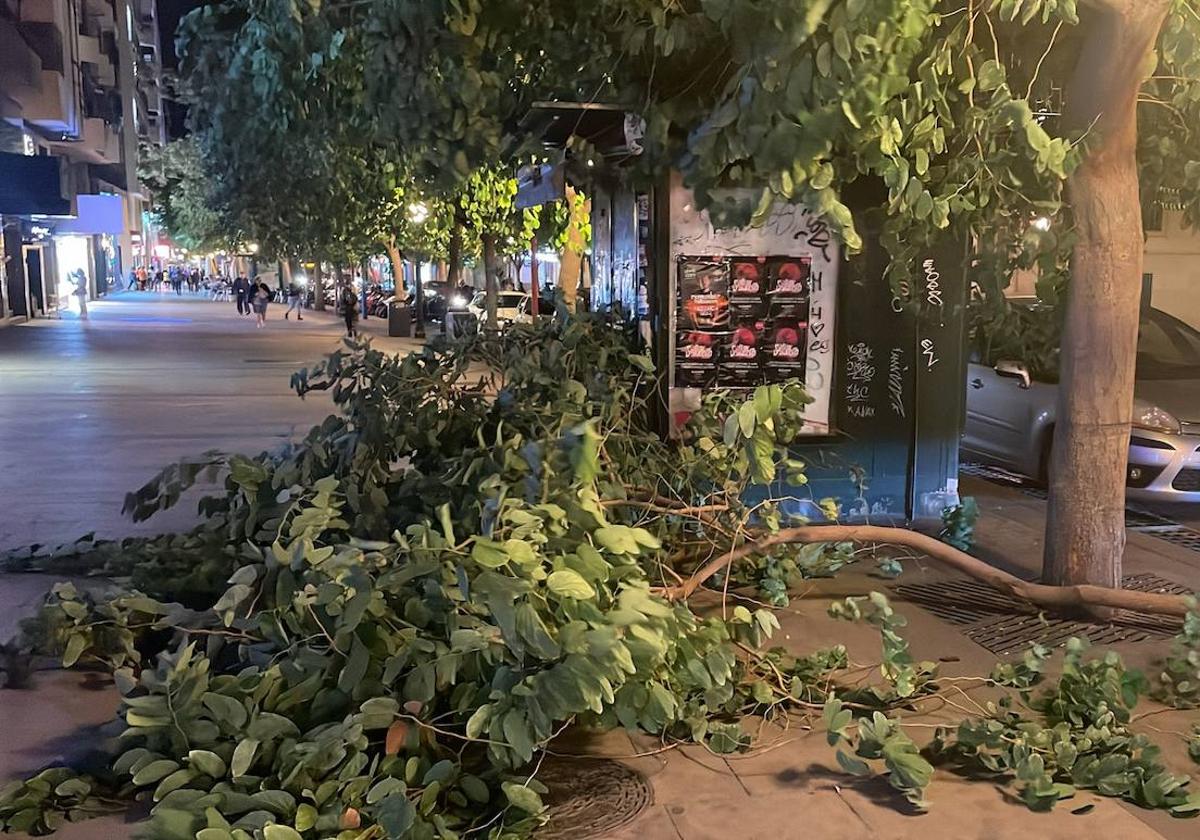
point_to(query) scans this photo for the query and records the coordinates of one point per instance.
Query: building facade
(80, 96)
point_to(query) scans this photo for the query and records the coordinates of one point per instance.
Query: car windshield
(1167, 348)
(509, 301)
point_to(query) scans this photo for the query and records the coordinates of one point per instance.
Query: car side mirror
(1014, 370)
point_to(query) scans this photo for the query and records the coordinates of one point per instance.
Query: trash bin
(399, 320)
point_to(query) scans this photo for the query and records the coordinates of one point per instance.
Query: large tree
(964, 118)
(974, 119)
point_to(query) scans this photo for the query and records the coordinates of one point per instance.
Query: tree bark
(397, 266)
(455, 254)
(1085, 528)
(1052, 597)
(318, 286)
(489, 283)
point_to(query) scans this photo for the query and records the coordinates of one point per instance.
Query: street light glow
(418, 212)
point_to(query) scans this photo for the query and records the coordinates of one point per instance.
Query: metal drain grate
(590, 797)
(1137, 518)
(1178, 535)
(1007, 625)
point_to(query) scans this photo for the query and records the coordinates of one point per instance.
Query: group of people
(255, 296)
(174, 278)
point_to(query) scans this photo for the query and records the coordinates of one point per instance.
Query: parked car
(1011, 416)
(511, 307)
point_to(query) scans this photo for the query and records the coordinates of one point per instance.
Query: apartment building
(80, 93)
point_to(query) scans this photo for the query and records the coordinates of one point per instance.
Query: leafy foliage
(423, 593)
(1179, 681)
(958, 524)
(1082, 740)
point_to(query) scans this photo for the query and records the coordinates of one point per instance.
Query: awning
(32, 184)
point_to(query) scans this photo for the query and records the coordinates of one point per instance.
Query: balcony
(20, 67)
(89, 50)
(52, 106)
(98, 143)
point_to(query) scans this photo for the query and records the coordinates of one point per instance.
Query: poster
(741, 321)
(793, 259)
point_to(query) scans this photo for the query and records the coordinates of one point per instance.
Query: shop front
(736, 308)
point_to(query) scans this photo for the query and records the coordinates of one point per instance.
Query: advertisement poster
(742, 321)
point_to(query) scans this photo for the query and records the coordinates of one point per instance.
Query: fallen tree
(377, 632)
(1038, 594)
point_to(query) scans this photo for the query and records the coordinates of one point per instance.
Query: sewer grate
(1137, 518)
(590, 797)
(1178, 535)
(1006, 625)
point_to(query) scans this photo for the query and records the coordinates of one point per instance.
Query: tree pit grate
(590, 797)
(1006, 625)
(1176, 535)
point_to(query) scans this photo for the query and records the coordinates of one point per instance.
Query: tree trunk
(489, 283)
(397, 266)
(571, 264)
(456, 248)
(1085, 528)
(318, 286)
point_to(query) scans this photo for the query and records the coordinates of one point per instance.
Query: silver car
(1010, 416)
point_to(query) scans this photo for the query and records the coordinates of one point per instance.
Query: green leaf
(76, 644)
(523, 797)
(852, 765)
(356, 666)
(243, 757)
(488, 553)
(155, 771)
(396, 815)
(570, 584)
(208, 763)
(226, 710)
(274, 831)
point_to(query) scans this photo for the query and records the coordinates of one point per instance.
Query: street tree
(182, 198)
(968, 120)
(276, 107)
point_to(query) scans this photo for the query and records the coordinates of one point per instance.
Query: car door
(998, 417)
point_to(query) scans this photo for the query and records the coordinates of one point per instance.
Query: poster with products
(741, 321)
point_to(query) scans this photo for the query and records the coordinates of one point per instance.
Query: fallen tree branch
(1053, 597)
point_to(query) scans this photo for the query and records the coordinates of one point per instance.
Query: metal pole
(533, 279)
(419, 332)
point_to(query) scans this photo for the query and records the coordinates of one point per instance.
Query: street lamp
(418, 212)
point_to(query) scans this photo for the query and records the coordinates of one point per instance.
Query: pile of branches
(375, 633)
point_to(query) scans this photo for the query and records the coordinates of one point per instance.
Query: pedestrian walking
(81, 292)
(643, 313)
(294, 296)
(349, 307)
(242, 293)
(133, 280)
(262, 296)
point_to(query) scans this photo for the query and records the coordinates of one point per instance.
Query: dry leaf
(351, 819)
(397, 734)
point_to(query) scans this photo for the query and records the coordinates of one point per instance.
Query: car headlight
(1151, 417)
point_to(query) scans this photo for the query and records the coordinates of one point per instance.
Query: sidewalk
(92, 409)
(789, 785)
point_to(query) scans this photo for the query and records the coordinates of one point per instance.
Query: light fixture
(1042, 223)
